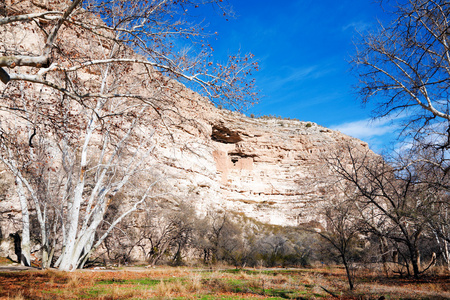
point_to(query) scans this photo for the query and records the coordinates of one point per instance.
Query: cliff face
(272, 170)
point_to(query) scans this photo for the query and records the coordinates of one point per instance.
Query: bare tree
(431, 169)
(405, 68)
(341, 232)
(81, 99)
(219, 231)
(71, 184)
(273, 248)
(158, 234)
(390, 198)
(149, 28)
(166, 232)
(407, 64)
(226, 241)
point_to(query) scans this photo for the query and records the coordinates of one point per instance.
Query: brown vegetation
(188, 283)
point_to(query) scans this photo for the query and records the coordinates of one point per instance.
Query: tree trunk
(25, 244)
(349, 274)
(69, 260)
(447, 254)
(384, 255)
(415, 261)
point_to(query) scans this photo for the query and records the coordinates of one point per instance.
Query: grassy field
(191, 283)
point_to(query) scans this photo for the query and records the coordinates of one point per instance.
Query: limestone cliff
(271, 170)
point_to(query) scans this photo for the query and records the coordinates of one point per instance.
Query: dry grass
(189, 283)
(74, 281)
(168, 289)
(5, 261)
(244, 275)
(19, 296)
(194, 283)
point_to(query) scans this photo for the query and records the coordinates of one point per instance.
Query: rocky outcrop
(271, 170)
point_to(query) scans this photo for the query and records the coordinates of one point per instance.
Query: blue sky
(303, 48)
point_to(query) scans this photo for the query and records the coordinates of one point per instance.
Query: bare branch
(28, 17)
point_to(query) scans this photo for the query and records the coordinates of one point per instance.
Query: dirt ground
(18, 282)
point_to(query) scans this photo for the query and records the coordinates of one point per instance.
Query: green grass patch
(148, 281)
(319, 295)
(111, 281)
(232, 271)
(288, 294)
(140, 281)
(210, 297)
(235, 282)
(93, 292)
(265, 272)
(56, 292)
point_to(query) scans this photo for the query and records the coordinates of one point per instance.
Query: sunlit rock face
(271, 170)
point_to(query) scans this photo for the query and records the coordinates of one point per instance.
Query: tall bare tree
(342, 233)
(153, 29)
(404, 67)
(85, 84)
(391, 198)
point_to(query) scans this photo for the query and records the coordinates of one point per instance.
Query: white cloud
(368, 128)
(359, 26)
(293, 75)
(380, 134)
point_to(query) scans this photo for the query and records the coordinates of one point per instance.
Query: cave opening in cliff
(224, 135)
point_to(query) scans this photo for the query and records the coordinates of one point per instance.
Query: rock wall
(271, 170)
